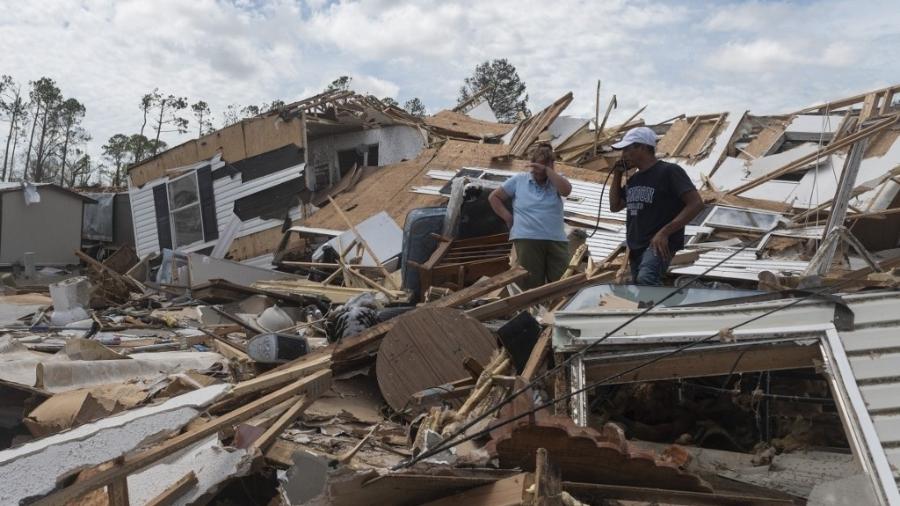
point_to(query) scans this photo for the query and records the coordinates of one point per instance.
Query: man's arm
(616, 202)
(693, 204)
(498, 199)
(562, 185)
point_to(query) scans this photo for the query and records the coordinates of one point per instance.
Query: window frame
(175, 241)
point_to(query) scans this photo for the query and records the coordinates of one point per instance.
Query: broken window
(741, 219)
(349, 158)
(372, 156)
(184, 209)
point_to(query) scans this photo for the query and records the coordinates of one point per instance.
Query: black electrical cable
(581, 352)
(442, 447)
(600, 202)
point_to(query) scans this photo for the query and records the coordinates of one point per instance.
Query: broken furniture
(460, 262)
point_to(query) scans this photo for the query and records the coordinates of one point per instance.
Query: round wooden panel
(426, 348)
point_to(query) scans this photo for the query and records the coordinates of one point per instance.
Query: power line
(448, 443)
(581, 352)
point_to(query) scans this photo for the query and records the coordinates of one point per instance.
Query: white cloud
(760, 55)
(371, 85)
(672, 56)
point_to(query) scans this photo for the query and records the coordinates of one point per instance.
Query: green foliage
(506, 91)
(202, 113)
(415, 107)
(340, 84)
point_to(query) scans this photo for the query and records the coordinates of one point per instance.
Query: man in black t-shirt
(661, 200)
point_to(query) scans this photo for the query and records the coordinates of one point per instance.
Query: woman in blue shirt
(536, 225)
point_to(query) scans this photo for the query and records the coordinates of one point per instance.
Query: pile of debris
(274, 336)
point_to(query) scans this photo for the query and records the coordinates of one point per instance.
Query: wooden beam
(806, 160)
(311, 386)
(528, 298)
(538, 354)
(704, 362)
(840, 104)
(503, 492)
(286, 419)
(547, 480)
(359, 237)
(117, 490)
(299, 368)
(174, 491)
(596, 493)
(874, 214)
(687, 135)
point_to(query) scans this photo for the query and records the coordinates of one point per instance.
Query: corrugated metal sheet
(582, 201)
(744, 265)
(873, 349)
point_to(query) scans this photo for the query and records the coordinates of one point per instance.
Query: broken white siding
(226, 190)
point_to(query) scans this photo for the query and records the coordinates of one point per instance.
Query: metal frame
(851, 407)
(715, 209)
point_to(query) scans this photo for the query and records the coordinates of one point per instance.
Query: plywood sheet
(271, 132)
(179, 156)
(764, 141)
(455, 123)
(388, 188)
(426, 348)
(694, 145)
(259, 243)
(673, 136)
(230, 140)
(146, 172)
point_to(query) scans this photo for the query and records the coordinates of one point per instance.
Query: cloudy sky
(674, 57)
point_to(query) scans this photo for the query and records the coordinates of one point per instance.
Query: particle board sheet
(765, 140)
(673, 135)
(229, 140)
(264, 134)
(744, 265)
(458, 124)
(426, 348)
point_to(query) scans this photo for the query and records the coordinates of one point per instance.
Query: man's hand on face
(660, 244)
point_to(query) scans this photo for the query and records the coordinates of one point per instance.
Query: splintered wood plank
(351, 346)
(505, 492)
(427, 348)
(175, 490)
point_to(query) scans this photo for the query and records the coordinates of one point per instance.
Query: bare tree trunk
(12, 129)
(37, 109)
(12, 157)
(162, 109)
(38, 171)
(62, 169)
(139, 153)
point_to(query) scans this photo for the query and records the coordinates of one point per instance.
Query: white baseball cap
(640, 135)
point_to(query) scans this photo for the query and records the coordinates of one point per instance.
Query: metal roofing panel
(744, 265)
(583, 200)
(873, 338)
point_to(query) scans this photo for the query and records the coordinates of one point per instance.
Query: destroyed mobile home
(321, 308)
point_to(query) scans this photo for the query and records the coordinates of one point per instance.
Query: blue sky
(674, 57)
